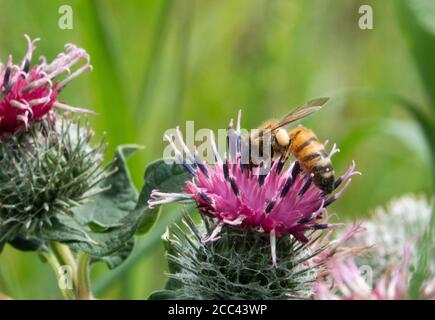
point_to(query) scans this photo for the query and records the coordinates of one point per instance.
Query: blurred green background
(160, 63)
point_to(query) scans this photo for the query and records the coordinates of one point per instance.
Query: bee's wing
(301, 112)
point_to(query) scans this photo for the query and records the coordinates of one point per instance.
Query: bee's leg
(285, 155)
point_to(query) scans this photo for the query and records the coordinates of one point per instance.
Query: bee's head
(282, 137)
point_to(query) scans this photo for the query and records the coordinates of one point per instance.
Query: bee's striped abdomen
(311, 154)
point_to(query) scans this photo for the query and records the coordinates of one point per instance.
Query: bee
(300, 142)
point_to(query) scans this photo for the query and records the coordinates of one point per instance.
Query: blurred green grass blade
(409, 134)
(417, 21)
(424, 119)
(426, 122)
(425, 253)
(155, 59)
(108, 86)
(182, 64)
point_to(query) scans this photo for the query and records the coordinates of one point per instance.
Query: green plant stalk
(65, 257)
(83, 288)
(61, 255)
(53, 261)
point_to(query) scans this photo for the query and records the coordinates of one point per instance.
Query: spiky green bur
(45, 171)
(238, 265)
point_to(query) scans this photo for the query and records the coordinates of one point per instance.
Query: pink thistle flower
(282, 201)
(29, 93)
(338, 248)
(350, 284)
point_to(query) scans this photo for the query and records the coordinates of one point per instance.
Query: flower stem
(53, 261)
(65, 257)
(61, 255)
(83, 288)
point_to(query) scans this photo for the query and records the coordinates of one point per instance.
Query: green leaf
(5, 231)
(163, 295)
(418, 26)
(115, 259)
(67, 230)
(144, 247)
(103, 227)
(106, 209)
(107, 243)
(28, 244)
(2, 244)
(166, 176)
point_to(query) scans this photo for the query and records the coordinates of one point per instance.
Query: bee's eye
(282, 137)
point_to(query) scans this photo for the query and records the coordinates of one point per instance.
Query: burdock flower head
(48, 164)
(279, 202)
(398, 261)
(350, 283)
(28, 93)
(402, 222)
